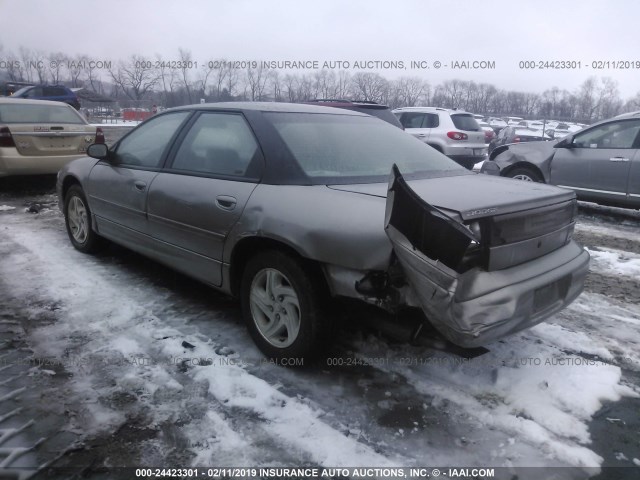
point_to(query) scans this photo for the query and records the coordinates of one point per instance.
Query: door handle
(421, 135)
(140, 186)
(618, 159)
(226, 202)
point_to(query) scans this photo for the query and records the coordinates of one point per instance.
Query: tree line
(143, 81)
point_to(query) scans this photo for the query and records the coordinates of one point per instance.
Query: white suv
(452, 132)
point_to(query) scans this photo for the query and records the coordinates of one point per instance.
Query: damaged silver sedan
(287, 206)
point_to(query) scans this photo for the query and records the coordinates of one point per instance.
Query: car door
(195, 201)
(596, 163)
(118, 187)
(633, 187)
(416, 123)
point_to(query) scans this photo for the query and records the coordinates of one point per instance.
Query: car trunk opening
(460, 270)
(43, 140)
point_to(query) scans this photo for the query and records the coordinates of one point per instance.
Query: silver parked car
(600, 162)
(452, 132)
(288, 205)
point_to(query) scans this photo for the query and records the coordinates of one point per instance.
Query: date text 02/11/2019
(578, 65)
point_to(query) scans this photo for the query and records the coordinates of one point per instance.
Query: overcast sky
(504, 31)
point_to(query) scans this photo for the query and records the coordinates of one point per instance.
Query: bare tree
(136, 78)
(371, 87)
(185, 59)
(256, 79)
(56, 64)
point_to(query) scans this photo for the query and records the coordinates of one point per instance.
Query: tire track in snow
(103, 319)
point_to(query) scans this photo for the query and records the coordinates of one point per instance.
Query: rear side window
(465, 122)
(218, 144)
(419, 120)
(412, 120)
(23, 113)
(54, 92)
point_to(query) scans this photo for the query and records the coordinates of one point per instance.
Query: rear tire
(283, 307)
(526, 174)
(77, 219)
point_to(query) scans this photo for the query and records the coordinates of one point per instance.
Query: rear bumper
(479, 307)
(12, 163)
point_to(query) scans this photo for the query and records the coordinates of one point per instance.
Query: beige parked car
(39, 136)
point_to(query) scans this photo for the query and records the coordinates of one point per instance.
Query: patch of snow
(636, 461)
(4, 208)
(620, 456)
(615, 262)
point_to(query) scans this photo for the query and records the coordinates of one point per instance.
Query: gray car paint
(607, 176)
(342, 228)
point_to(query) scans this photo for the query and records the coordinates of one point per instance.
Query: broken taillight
(99, 135)
(6, 139)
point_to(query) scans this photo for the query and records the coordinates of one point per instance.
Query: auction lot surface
(114, 360)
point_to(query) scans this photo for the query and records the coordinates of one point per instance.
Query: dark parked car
(370, 108)
(517, 135)
(600, 162)
(54, 93)
(288, 205)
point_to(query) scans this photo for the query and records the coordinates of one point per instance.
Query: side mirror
(98, 150)
(566, 142)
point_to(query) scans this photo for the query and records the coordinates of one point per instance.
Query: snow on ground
(527, 402)
(114, 322)
(4, 208)
(117, 123)
(615, 262)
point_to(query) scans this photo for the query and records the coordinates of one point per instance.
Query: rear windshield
(465, 122)
(19, 112)
(337, 147)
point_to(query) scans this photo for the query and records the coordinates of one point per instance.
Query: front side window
(354, 148)
(218, 144)
(611, 135)
(35, 92)
(145, 146)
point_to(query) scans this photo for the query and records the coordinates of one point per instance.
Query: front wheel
(282, 305)
(526, 174)
(77, 218)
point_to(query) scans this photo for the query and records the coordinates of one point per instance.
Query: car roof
(337, 102)
(269, 107)
(431, 109)
(27, 101)
(629, 115)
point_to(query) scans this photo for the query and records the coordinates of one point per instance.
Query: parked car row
(253, 199)
(287, 206)
(601, 162)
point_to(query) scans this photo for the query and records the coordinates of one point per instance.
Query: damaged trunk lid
(486, 227)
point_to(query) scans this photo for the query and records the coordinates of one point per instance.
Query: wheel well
(248, 247)
(526, 166)
(437, 147)
(67, 183)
